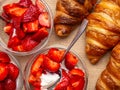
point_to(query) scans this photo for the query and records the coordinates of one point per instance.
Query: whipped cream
(48, 80)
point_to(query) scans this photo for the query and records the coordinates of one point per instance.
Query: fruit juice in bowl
(26, 25)
(11, 77)
(47, 71)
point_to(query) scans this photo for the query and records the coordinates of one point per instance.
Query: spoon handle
(79, 33)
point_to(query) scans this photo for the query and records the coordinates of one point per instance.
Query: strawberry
(31, 26)
(18, 48)
(9, 84)
(37, 64)
(13, 71)
(1, 86)
(40, 5)
(70, 61)
(3, 71)
(4, 58)
(14, 10)
(40, 34)
(8, 28)
(50, 65)
(55, 54)
(25, 3)
(31, 14)
(77, 71)
(44, 19)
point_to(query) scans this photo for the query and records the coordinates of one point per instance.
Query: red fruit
(70, 61)
(13, 71)
(31, 26)
(44, 19)
(1, 86)
(18, 48)
(77, 71)
(64, 83)
(40, 5)
(4, 58)
(13, 10)
(31, 14)
(40, 34)
(8, 28)
(28, 44)
(25, 3)
(37, 64)
(50, 65)
(9, 84)
(55, 54)
(3, 71)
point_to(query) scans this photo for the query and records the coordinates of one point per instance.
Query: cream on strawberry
(48, 80)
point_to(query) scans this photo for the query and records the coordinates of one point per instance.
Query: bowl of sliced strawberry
(10, 73)
(48, 71)
(26, 25)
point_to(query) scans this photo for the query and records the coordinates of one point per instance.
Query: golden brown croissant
(69, 13)
(103, 30)
(110, 77)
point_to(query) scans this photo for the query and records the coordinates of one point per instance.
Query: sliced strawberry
(37, 64)
(3, 71)
(55, 54)
(13, 71)
(44, 19)
(25, 3)
(64, 83)
(50, 65)
(18, 48)
(14, 10)
(31, 26)
(40, 34)
(4, 58)
(28, 44)
(77, 71)
(31, 14)
(8, 28)
(40, 5)
(70, 60)
(9, 84)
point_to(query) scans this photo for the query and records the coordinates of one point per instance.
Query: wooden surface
(93, 70)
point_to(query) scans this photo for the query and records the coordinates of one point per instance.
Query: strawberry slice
(13, 71)
(30, 26)
(4, 58)
(25, 3)
(14, 10)
(70, 60)
(77, 71)
(37, 64)
(44, 19)
(40, 5)
(55, 54)
(8, 28)
(9, 84)
(3, 71)
(50, 65)
(40, 34)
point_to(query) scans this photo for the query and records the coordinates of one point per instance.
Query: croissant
(70, 13)
(103, 30)
(110, 77)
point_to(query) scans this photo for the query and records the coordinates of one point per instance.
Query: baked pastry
(110, 77)
(70, 13)
(103, 30)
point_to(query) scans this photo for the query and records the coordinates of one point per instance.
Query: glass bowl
(19, 80)
(4, 38)
(28, 66)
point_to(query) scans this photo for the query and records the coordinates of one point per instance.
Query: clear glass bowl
(80, 64)
(19, 80)
(4, 37)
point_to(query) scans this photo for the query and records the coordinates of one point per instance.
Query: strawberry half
(13, 71)
(51, 65)
(44, 19)
(55, 54)
(70, 60)
(4, 58)
(3, 71)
